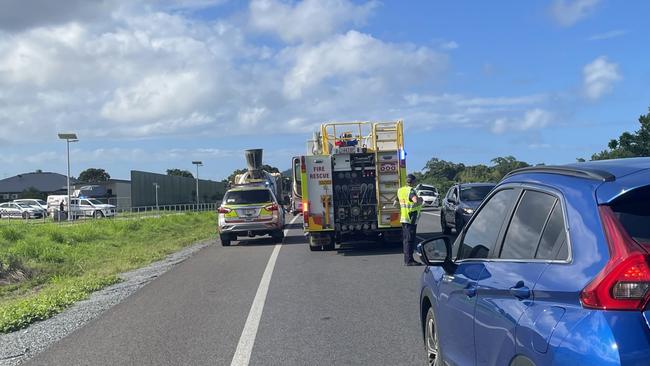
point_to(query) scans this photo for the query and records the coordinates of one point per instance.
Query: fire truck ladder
(388, 144)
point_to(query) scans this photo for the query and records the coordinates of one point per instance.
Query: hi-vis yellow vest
(407, 206)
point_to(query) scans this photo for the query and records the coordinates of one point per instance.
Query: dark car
(459, 204)
(552, 269)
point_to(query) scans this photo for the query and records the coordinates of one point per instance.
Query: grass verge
(46, 268)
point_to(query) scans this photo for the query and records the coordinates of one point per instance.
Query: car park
(429, 195)
(553, 269)
(250, 210)
(459, 204)
(19, 210)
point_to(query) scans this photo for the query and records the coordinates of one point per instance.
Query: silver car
(19, 211)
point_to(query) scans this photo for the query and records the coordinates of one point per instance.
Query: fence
(125, 213)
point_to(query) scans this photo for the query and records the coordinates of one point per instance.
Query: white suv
(92, 207)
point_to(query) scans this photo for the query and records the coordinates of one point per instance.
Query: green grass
(45, 268)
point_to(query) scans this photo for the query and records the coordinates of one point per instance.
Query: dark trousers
(408, 241)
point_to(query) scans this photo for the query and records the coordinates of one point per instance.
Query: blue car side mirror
(435, 252)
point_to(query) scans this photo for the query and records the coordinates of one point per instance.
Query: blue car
(552, 269)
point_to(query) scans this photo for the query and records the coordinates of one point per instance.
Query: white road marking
(431, 213)
(247, 340)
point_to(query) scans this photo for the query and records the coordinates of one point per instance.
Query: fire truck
(349, 181)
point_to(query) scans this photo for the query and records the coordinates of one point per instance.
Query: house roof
(44, 182)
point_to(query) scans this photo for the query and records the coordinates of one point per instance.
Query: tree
(629, 144)
(180, 173)
(504, 165)
(94, 175)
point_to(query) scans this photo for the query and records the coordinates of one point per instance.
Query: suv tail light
(223, 210)
(624, 282)
(271, 207)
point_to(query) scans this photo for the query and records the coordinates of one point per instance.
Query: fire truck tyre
(443, 224)
(225, 240)
(98, 214)
(312, 246)
(277, 236)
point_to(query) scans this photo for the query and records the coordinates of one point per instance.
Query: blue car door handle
(520, 291)
(470, 290)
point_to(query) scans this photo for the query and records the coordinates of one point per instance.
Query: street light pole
(69, 137)
(156, 186)
(198, 164)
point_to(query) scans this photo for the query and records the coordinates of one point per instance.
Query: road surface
(257, 303)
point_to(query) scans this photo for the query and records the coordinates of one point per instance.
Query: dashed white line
(247, 339)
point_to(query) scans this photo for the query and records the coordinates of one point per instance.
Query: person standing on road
(410, 206)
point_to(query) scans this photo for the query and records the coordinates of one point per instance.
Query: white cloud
(451, 45)
(569, 12)
(308, 20)
(599, 77)
(608, 35)
(371, 62)
(534, 119)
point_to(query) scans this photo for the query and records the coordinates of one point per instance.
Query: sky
(156, 84)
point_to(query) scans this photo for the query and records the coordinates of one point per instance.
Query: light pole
(156, 186)
(198, 163)
(69, 137)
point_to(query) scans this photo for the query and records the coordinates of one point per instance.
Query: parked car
(90, 207)
(429, 194)
(250, 210)
(19, 211)
(81, 207)
(37, 203)
(459, 204)
(553, 269)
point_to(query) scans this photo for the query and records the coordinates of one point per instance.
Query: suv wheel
(25, 215)
(459, 223)
(225, 240)
(443, 224)
(98, 214)
(431, 341)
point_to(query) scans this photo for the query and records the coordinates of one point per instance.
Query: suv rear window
(247, 197)
(633, 211)
(474, 193)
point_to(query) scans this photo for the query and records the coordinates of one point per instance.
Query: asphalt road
(357, 305)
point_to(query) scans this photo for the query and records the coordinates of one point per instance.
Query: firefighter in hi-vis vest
(410, 206)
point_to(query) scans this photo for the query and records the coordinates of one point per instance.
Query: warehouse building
(36, 183)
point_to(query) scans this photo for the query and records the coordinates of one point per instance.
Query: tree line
(443, 174)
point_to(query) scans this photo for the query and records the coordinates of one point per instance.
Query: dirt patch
(12, 271)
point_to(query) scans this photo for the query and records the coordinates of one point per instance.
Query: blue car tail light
(624, 282)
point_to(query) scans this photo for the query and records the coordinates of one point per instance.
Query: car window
(247, 197)
(449, 192)
(633, 211)
(85, 203)
(95, 202)
(481, 235)
(525, 229)
(476, 193)
(23, 205)
(553, 243)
